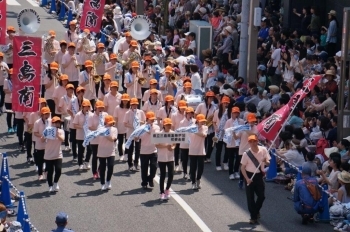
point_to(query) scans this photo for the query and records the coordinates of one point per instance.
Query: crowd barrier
(5, 198)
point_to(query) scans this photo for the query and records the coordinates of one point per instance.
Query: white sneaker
(87, 166)
(44, 166)
(199, 186)
(56, 188)
(177, 168)
(232, 177)
(50, 189)
(225, 166)
(121, 158)
(103, 187)
(36, 168)
(81, 167)
(218, 168)
(67, 148)
(109, 185)
(194, 186)
(163, 197)
(237, 176)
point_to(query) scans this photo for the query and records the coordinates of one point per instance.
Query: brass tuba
(95, 77)
(209, 121)
(140, 79)
(133, 56)
(48, 47)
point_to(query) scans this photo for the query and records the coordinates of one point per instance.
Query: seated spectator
(61, 222)
(332, 179)
(310, 163)
(295, 120)
(292, 155)
(343, 194)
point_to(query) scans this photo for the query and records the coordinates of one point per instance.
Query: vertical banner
(270, 127)
(92, 15)
(2, 21)
(26, 78)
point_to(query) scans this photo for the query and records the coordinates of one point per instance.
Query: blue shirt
(296, 121)
(62, 229)
(303, 196)
(263, 33)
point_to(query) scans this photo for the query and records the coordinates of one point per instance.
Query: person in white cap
(226, 47)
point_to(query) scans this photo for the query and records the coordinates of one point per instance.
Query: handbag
(255, 161)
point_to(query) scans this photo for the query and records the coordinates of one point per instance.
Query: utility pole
(243, 46)
(252, 47)
(139, 7)
(165, 9)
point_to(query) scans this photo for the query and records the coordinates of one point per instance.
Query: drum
(66, 123)
(193, 100)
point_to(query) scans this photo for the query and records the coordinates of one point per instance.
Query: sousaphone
(28, 21)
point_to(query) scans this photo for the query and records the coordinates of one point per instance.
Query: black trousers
(257, 187)
(73, 133)
(177, 154)
(81, 151)
(331, 49)
(92, 102)
(137, 153)
(9, 116)
(120, 143)
(148, 161)
(2, 96)
(39, 160)
(208, 143)
(53, 166)
(66, 138)
(29, 142)
(51, 104)
(109, 162)
(232, 156)
(196, 167)
(20, 131)
(162, 167)
(184, 159)
(219, 146)
(94, 148)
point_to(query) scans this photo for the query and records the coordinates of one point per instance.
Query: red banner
(269, 128)
(26, 78)
(92, 15)
(2, 21)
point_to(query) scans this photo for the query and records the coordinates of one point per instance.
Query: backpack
(314, 190)
(321, 144)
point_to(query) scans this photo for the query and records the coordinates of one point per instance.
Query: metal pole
(252, 47)
(165, 9)
(139, 7)
(243, 46)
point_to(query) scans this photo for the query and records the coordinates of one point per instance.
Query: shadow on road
(134, 192)
(92, 193)
(157, 202)
(33, 183)
(243, 226)
(86, 182)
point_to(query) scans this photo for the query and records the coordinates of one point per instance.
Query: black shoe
(75, 159)
(151, 184)
(253, 221)
(144, 186)
(131, 169)
(305, 219)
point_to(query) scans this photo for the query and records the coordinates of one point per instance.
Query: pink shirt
(39, 126)
(8, 60)
(129, 78)
(90, 90)
(202, 109)
(147, 94)
(106, 147)
(49, 91)
(154, 107)
(231, 123)
(58, 59)
(124, 46)
(197, 142)
(119, 114)
(164, 113)
(8, 96)
(92, 123)
(63, 105)
(53, 147)
(2, 73)
(111, 102)
(164, 155)
(244, 145)
(31, 120)
(51, 58)
(176, 118)
(129, 118)
(70, 70)
(100, 68)
(185, 123)
(58, 93)
(147, 147)
(79, 119)
(260, 156)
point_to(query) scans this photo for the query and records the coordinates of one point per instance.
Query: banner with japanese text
(270, 127)
(92, 15)
(26, 78)
(2, 21)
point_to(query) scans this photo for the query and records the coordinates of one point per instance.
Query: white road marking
(12, 3)
(33, 3)
(188, 209)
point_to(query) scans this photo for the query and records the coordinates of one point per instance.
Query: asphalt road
(219, 206)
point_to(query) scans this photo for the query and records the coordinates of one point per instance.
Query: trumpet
(96, 78)
(209, 121)
(172, 79)
(141, 80)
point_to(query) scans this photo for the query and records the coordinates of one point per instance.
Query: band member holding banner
(184, 147)
(106, 153)
(208, 108)
(93, 123)
(167, 109)
(251, 159)
(148, 153)
(40, 141)
(113, 98)
(53, 156)
(132, 120)
(86, 80)
(71, 65)
(133, 88)
(8, 102)
(59, 92)
(119, 114)
(79, 123)
(11, 31)
(51, 47)
(152, 104)
(50, 82)
(3, 69)
(197, 151)
(166, 161)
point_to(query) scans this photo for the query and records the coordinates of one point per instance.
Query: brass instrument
(48, 47)
(133, 56)
(95, 77)
(85, 42)
(172, 78)
(209, 121)
(99, 59)
(140, 79)
(215, 140)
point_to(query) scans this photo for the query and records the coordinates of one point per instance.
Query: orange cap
(125, 97)
(71, 44)
(113, 56)
(188, 85)
(109, 120)
(54, 66)
(225, 99)
(210, 94)
(100, 45)
(147, 58)
(99, 104)
(235, 110)
(73, 22)
(88, 64)
(200, 118)
(127, 34)
(56, 119)
(186, 79)
(63, 42)
(70, 86)
(11, 71)
(150, 115)
(87, 31)
(168, 69)
(80, 88)
(45, 110)
(107, 77)
(11, 28)
(153, 82)
(153, 91)
(1, 54)
(114, 84)
(134, 101)
(86, 102)
(52, 33)
(252, 138)
(169, 98)
(251, 117)
(133, 43)
(135, 64)
(182, 104)
(42, 100)
(167, 121)
(64, 77)
(189, 110)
